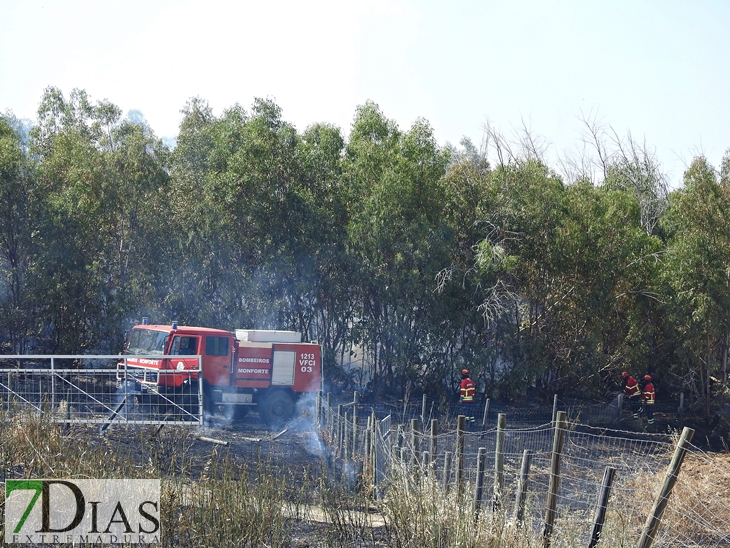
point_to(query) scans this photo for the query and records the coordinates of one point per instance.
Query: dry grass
(212, 496)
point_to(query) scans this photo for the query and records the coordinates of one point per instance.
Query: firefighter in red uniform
(648, 397)
(633, 392)
(466, 396)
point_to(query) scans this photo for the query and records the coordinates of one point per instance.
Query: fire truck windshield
(146, 341)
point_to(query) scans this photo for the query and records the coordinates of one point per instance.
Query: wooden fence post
(600, 516)
(486, 413)
(670, 478)
(522, 486)
(499, 462)
(382, 443)
(460, 429)
(400, 441)
(561, 426)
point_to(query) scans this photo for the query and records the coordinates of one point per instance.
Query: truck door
(184, 347)
(217, 360)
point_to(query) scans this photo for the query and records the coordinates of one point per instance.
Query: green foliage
(18, 223)
(697, 278)
(410, 259)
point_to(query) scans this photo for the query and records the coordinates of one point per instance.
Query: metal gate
(96, 389)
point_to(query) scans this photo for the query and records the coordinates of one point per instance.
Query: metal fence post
(423, 411)
(201, 405)
(53, 385)
(460, 430)
(479, 488)
(346, 440)
(681, 406)
(318, 410)
(446, 472)
(126, 407)
(484, 417)
(620, 405)
(353, 449)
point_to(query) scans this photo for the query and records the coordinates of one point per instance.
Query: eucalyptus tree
(399, 240)
(199, 290)
(137, 217)
(624, 164)
(252, 192)
(19, 211)
(525, 249)
(477, 277)
(564, 276)
(612, 317)
(97, 176)
(325, 306)
(261, 218)
(697, 277)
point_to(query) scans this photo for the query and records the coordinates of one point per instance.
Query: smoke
(306, 423)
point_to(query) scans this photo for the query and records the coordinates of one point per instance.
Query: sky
(658, 70)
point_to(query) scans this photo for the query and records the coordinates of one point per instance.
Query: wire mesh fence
(99, 390)
(422, 446)
(424, 443)
(612, 414)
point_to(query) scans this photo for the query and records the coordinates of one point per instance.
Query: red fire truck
(262, 369)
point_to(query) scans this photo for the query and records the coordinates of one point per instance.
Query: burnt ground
(292, 453)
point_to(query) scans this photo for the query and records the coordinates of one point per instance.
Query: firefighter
(647, 397)
(466, 396)
(633, 392)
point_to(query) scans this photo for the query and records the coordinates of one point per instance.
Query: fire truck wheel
(277, 408)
